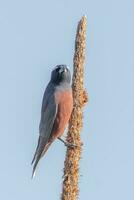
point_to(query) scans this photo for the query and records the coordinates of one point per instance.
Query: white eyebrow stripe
(55, 67)
(61, 68)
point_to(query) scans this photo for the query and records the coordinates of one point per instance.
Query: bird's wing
(48, 113)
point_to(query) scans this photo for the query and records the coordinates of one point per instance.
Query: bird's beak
(65, 70)
(62, 70)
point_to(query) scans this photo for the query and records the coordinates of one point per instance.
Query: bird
(57, 105)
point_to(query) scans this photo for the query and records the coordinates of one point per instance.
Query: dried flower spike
(70, 189)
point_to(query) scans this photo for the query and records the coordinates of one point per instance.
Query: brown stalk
(70, 189)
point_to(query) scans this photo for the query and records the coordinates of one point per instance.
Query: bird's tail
(39, 153)
(36, 151)
(38, 156)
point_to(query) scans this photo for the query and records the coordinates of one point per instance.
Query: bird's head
(61, 74)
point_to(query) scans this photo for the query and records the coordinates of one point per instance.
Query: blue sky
(34, 37)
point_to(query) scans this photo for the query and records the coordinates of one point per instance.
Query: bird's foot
(67, 144)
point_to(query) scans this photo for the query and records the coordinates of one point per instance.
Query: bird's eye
(57, 69)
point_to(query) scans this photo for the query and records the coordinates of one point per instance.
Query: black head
(61, 74)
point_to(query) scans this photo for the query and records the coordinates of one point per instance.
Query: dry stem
(71, 168)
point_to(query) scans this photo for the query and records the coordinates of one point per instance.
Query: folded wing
(48, 114)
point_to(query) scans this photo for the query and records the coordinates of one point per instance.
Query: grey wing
(48, 113)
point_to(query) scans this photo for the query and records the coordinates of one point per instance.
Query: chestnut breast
(64, 100)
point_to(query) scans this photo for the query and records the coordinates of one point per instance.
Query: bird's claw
(68, 144)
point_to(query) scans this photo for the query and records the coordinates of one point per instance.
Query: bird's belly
(59, 126)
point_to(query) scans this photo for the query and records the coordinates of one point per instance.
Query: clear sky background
(34, 37)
